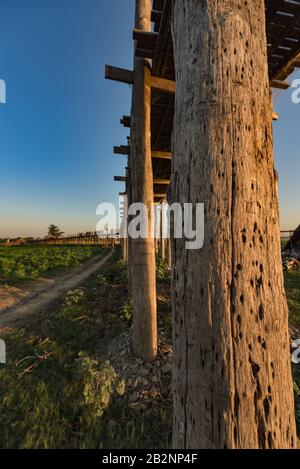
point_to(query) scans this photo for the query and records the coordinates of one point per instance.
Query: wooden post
(142, 250)
(125, 210)
(163, 240)
(129, 247)
(124, 249)
(156, 244)
(232, 373)
(163, 249)
(169, 254)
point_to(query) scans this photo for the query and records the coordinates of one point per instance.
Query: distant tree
(54, 231)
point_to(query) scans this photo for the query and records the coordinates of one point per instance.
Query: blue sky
(287, 155)
(61, 119)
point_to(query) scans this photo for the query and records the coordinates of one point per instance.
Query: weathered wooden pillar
(157, 232)
(232, 373)
(163, 249)
(125, 249)
(169, 254)
(142, 250)
(129, 248)
(125, 241)
(163, 240)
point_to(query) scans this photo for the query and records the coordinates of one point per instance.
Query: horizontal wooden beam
(162, 182)
(168, 86)
(159, 182)
(156, 196)
(288, 68)
(127, 76)
(156, 154)
(119, 74)
(275, 116)
(145, 39)
(120, 178)
(162, 155)
(282, 85)
(122, 150)
(145, 53)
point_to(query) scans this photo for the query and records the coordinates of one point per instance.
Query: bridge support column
(142, 251)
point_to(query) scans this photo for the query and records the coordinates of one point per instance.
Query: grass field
(292, 285)
(19, 264)
(58, 392)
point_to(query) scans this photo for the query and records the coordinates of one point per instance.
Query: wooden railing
(88, 238)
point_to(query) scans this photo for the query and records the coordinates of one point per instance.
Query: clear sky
(61, 119)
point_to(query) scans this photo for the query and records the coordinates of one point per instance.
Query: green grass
(292, 285)
(162, 272)
(57, 391)
(19, 264)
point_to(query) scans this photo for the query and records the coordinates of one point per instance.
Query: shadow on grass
(57, 392)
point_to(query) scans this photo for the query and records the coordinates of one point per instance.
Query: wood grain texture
(232, 372)
(142, 251)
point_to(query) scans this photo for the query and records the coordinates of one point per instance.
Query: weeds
(127, 310)
(56, 391)
(292, 285)
(162, 271)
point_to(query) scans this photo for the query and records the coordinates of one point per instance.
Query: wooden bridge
(88, 238)
(283, 32)
(201, 130)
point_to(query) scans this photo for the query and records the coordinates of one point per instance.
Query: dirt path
(53, 289)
